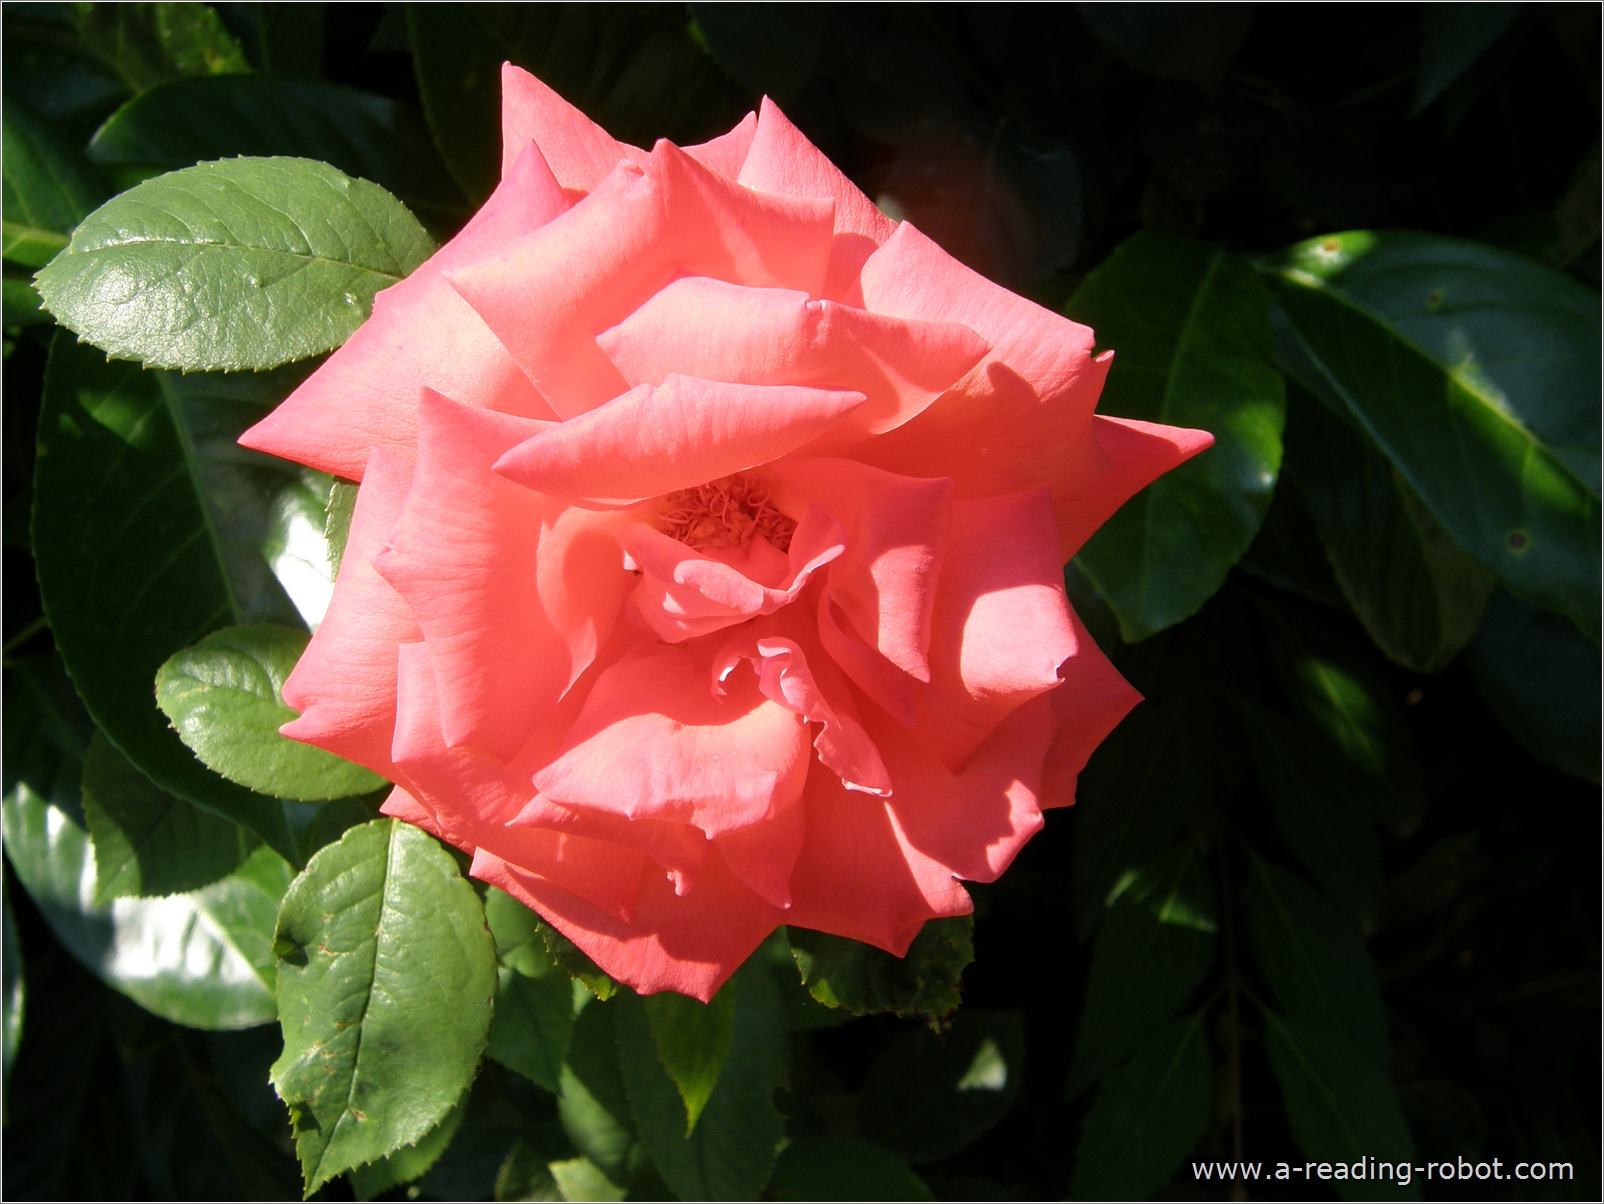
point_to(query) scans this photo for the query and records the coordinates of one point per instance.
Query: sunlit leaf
(386, 974)
(842, 973)
(239, 264)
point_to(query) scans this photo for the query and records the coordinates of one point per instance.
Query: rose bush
(706, 570)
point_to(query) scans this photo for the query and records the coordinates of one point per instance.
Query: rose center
(725, 513)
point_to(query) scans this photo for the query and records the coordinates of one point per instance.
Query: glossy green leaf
(224, 697)
(47, 732)
(14, 993)
(1418, 596)
(1541, 677)
(1476, 372)
(1154, 947)
(1191, 325)
(297, 545)
(191, 121)
(1340, 1106)
(1454, 36)
(386, 974)
(202, 959)
(1330, 681)
(927, 1097)
(410, 1162)
(148, 843)
(843, 1168)
(1322, 809)
(163, 550)
(593, 1104)
(859, 978)
(693, 1041)
(148, 43)
(1315, 961)
(1142, 790)
(634, 69)
(240, 264)
(1148, 1116)
(729, 1154)
(49, 187)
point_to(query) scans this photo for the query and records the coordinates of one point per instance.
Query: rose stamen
(725, 513)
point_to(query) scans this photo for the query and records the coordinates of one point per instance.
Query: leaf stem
(23, 636)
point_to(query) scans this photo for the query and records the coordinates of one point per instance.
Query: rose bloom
(706, 571)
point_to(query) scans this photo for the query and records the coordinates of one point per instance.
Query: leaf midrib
(236, 247)
(1486, 403)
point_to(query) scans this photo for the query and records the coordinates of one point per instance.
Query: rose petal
(548, 295)
(683, 593)
(1090, 704)
(975, 821)
(686, 431)
(679, 848)
(815, 690)
(422, 334)
(783, 162)
(723, 331)
(1002, 622)
(470, 795)
(399, 804)
(727, 153)
(344, 684)
(763, 856)
(513, 591)
(654, 741)
(690, 943)
(896, 530)
(888, 686)
(580, 152)
(858, 877)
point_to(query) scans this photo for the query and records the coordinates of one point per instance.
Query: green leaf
(1148, 1116)
(1154, 947)
(386, 974)
(297, 544)
(1194, 347)
(202, 959)
(634, 69)
(1321, 807)
(693, 1041)
(15, 991)
(1287, 552)
(1315, 961)
(224, 697)
(593, 1104)
(1418, 596)
(410, 1162)
(148, 43)
(49, 187)
(191, 121)
(842, 973)
(1476, 372)
(163, 550)
(1145, 786)
(927, 1096)
(1454, 36)
(1331, 681)
(240, 264)
(148, 843)
(533, 1023)
(1541, 677)
(576, 963)
(47, 733)
(576, 1179)
(843, 1168)
(731, 1151)
(286, 39)
(1340, 1106)
(22, 306)
(340, 507)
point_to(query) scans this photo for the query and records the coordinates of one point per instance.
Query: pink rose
(706, 573)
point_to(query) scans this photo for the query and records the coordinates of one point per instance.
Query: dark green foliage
(1330, 893)
(859, 978)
